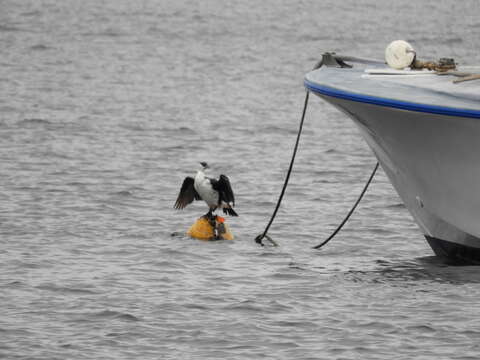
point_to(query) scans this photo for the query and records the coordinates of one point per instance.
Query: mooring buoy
(210, 229)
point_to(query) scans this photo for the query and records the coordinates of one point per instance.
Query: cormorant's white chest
(204, 188)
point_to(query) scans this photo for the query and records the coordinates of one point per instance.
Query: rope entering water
(339, 227)
(259, 238)
(327, 57)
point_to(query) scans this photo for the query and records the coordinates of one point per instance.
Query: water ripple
(106, 108)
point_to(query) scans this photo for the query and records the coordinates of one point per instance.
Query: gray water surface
(106, 106)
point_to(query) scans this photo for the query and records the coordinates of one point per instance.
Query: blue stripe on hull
(432, 109)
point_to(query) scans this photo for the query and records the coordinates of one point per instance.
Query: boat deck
(417, 90)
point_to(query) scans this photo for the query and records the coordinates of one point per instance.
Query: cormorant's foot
(211, 219)
(210, 216)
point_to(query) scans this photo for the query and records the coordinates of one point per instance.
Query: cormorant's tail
(229, 211)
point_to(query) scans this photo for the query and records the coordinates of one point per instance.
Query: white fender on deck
(399, 54)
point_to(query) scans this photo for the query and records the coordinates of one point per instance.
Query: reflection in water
(412, 273)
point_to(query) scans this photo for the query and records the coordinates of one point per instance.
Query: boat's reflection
(412, 272)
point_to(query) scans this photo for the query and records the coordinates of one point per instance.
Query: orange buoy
(204, 229)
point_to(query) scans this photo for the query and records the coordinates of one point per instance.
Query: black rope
(259, 238)
(351, 210)
(338, 61)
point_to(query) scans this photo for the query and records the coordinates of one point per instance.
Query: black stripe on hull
(453, 253)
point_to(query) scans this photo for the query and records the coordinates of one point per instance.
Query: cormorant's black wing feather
(229, 211)
(187, 194)
(222, 185)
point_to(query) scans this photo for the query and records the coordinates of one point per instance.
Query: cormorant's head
(204, 165)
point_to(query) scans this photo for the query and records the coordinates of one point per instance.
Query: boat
(423, 126)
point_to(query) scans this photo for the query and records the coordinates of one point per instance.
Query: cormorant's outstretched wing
(226, 200)
(187, 194)
(225, 192)
(222, 185)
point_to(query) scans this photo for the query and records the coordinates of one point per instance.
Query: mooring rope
(327, 57)
(351, 210)
(260, 237)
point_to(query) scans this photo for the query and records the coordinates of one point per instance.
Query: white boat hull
(433, 162)
(425, 131)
